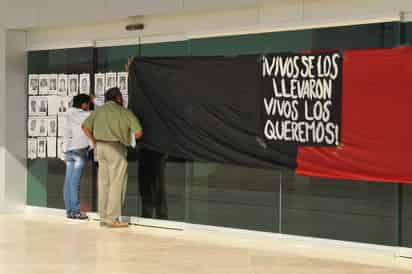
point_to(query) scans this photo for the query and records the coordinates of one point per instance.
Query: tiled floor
(43, 245)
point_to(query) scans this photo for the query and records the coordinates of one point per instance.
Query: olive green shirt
(113, 123)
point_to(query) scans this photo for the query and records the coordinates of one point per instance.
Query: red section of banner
(376, 134)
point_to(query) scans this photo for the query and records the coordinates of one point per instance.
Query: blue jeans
(75, 164)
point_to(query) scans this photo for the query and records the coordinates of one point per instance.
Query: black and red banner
(338, 115)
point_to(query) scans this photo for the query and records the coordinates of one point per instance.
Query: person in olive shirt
(110, 129)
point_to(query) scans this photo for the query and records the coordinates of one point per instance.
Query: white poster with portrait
(63, 105)
(52, 84)
(41, 147)
(43, 84)
(51, 147)
(73, 84)
(99, 84)
(32, 148)
(61, 119)
(42, 124)
(33, 84)
(62, 85)
(85, 83)
(111, 80)
(52, 126)
(60, 148)
(42, 102)
(33, 105)
(32, 127)
(122, 82)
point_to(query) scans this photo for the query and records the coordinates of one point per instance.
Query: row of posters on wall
(73, 84)
(49, 101)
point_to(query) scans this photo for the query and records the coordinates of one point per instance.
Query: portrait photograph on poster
(33, 84)
(42, 125)
(32, 127)
(122, 84)
(85, 83)
(42, 102)
(33, 105)
(41, 147)
(52, 126)
(111, 80)
(99, 84)
(32, 148)
(52, 84)
(73, 84)
(51, 147)
(62, 85)
(63, 104)
(43, 84)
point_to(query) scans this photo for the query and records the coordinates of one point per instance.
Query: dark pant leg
(160, 188)
(152, 184)
(145, 176)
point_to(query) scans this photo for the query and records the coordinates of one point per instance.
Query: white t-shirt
(73, 136)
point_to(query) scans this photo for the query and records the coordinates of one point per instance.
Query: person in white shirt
(75, 147)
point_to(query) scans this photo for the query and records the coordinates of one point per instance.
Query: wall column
(13, 171)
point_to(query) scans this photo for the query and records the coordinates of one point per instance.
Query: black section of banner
(205, 108)
(302, 98)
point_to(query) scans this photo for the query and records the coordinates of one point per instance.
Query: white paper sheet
(62, 85)
(52, 126)
(63, 105)
(43, 84)
(33, 106)
(52, 84)
(99, 101)
(85, 83)
(33, 85)
(99, 84)
(111, 80)
(60, 124)
(42, 102)
(32, 126)
(41, 147)
(122, 82)
(60, 153)
(53, 105)
(73, 84)
(51, 147)
(42, 126)
(32, 148)
(125, 101)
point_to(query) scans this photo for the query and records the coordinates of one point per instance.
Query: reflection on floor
(36, 244)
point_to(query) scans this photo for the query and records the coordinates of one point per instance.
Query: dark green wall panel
(408, 33)
(252, 44)
(37, 182)
(114, 58)
(169, 49)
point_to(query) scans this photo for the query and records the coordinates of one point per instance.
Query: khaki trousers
(112, 179)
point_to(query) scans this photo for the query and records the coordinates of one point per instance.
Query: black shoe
(80, 216)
